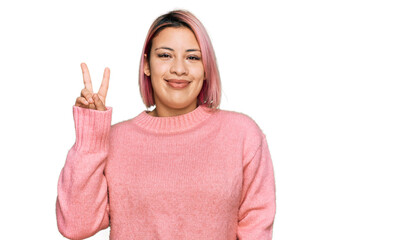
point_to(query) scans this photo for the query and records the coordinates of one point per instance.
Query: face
(175, 68)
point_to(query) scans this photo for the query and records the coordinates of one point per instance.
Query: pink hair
(210, 93)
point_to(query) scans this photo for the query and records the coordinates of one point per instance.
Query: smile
(177, 84)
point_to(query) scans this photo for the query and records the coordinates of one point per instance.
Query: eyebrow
(171, 49)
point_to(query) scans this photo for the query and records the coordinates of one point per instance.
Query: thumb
(98, 103)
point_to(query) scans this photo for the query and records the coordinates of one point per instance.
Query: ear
(146, 66)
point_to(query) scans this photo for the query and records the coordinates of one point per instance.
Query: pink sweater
(201, 175)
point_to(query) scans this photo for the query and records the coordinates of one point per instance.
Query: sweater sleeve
(82, 207)
(258, 203)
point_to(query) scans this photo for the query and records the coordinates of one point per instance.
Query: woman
(186, 170)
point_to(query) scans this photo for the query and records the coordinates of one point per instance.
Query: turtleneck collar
(173, 124)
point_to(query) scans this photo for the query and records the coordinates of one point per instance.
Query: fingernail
(90, 100)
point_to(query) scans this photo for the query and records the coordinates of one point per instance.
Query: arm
(258, 203)
(82, 207)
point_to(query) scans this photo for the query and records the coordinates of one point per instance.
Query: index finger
(105, 82)
(86, 77)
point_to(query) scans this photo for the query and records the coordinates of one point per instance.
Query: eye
(163, 55)
(193, 58)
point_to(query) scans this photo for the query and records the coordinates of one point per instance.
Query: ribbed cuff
(92, 129)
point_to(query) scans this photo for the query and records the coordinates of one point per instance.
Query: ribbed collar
(173, 124)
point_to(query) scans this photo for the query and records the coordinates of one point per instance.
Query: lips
(177, 83)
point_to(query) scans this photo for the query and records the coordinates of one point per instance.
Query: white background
(330, 83)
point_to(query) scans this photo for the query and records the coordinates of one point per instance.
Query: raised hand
(88, 98)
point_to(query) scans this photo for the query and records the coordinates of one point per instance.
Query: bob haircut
(210, 94)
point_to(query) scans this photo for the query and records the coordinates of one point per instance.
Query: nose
(178, 67)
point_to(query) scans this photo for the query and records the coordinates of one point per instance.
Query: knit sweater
(200, 175)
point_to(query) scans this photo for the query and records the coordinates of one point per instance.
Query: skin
(175, 54)
(88, 98)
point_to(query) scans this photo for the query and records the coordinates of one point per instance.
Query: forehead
(175, 37)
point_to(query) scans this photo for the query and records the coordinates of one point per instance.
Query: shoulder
(122, 126)
(243, 125)
(237, 117)
(240, 120)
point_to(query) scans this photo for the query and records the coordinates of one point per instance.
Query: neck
(164, 111)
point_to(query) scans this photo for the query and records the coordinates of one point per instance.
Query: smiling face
(175, 68)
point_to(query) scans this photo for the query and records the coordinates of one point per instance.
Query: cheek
(158, 68)
(199, 72)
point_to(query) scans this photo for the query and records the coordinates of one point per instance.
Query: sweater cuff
(92, 128)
